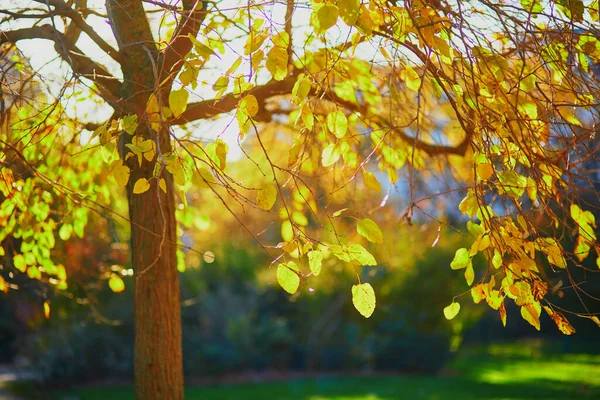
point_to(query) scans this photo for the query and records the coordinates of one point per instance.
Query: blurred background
(240, 327)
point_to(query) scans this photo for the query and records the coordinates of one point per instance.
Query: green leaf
(217, 152)
(266, 197)
(129, 123)
(361, 255)
(354, 252)
(19, 262)
(65, 232)
(369, 229)
(178, 100)
(461, 259)
(452, 310)
(469, 274)
(363, 298)
(301, 89)
(116, 284)
(331, 154)
(337, 123)
(287, 277)
(315, 260)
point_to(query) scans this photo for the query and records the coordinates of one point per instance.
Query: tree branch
(78, 20)
(81, 65)
(173, 57)
(213, 107)
(289, 11)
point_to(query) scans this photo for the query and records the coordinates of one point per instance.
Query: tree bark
(158, 358)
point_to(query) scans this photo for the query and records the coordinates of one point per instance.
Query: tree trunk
(158, 359)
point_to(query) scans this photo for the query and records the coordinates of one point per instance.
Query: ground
(518, 372)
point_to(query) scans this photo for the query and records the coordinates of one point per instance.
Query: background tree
(499, 99)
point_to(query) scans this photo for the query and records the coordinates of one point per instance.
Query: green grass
(517, 372)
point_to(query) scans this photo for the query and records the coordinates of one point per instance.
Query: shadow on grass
(368, 388)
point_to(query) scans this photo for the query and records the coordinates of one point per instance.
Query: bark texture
(158, 356)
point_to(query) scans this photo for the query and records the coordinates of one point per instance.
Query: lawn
(523, 371)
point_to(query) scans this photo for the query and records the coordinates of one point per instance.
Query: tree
(499, 99)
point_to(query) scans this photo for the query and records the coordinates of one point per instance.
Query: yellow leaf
(277, 63)
(371, 181)
(469, 274)
(178, 100)
(248, 105)
(324, 17)
(497, 259)
(287, 277)
(485, 171)
(478, 293)
(531, 314)
(413, 80)
(266, 197)
(163, 185)
(494, 299)
(502, 311)
(315, 260)
(287, 232)
(120, 172)
(369, 229)
(337, 124)
(561, 321)
(47, 309)
(3, 285)
(452, 310)
(116, 284)
(461, 259)
(141, 186)
(363, 298)
(331, 154)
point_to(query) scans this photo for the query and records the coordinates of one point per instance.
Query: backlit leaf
(65, 231)
(287, 277)
(331, 154)
(337, 123)
(277, 63)
(369, 229)
(178, 100)
(116, 284)
(461, 259)
(266, 197)
(324, 17)
(248, 105)
(371, 181)
(452, 310)
(363, 298)
(315, 260)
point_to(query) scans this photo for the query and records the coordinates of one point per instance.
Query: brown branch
(78, 20)
(81, 65)
(174, 55)
(429, 148)
(213, 107)
(289, 11)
